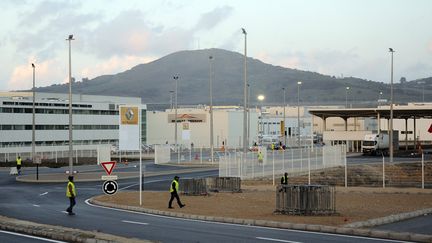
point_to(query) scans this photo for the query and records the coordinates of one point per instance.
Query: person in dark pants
(71, 194)
(174, 193)
(18, 164)
(284, 179)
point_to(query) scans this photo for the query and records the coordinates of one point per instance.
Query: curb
(61, 233)
(389, 219)
(282, 225)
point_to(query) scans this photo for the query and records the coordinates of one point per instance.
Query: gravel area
(257, 201)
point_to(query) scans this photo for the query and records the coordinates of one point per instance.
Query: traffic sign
(110, 187)
(109, 177)
(108, 166)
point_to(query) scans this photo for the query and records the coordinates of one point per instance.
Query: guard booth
(306, 200)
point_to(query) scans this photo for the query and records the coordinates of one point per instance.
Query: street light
(70, 39)
(33, 122)
(298, 112)
(245, 96)
(284, 116)
(211, 108)
(171, 98)
(175, 113)
(261, 133)
(346, 96)
(391, 107)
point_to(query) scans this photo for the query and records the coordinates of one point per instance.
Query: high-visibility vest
(260, 156)
(18, 161)
(68, 194)
(176, 186)
(284, 181)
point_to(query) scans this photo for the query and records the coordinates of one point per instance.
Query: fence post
(309, 169)
(346, 167)
(383, 170)
(273, 167)
(422, 170)
(292, 160)
(301, 159)
(201, 160)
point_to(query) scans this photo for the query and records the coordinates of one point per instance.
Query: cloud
(114, 65)
(211, 19)
(46, 73)
(46, 10)
(429, 47)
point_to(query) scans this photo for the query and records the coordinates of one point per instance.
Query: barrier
(306, 200)
(223, 184)
(193, 187)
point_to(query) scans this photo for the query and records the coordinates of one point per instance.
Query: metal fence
(276, 162)
(306, 199)
(56, 153)
(166, 153)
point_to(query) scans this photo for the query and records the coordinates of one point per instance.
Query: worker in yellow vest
(18, 164)
(71, 194)
(174, 193)
(260, 157)
(284, 179)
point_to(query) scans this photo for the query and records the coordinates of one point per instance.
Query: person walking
(71, 194)
(18, 164)
(260, 157)
(174, 193)
(284, 179)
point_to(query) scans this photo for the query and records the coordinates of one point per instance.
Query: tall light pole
(33, 119)
(391, 107)
(261, 131)
(245, 145)
(70, 39)
(211, 108)
(284, 116)
(346, 96)
(248, 114)
(171, 99)
(175, 113)
(298, 112)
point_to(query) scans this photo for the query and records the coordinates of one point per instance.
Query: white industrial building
(95, 121)
(193, 126)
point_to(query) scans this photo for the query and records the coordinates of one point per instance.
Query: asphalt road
(45, 203)
(6, 236)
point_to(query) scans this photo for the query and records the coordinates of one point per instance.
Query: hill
(154, 81)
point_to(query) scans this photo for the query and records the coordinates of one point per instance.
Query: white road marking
(133, 222)
(35, 205)
(31, 236)
(43, 194)
(278, 240)
(145, 182)
(241, 225)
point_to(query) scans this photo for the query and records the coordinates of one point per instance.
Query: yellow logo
(129, 115)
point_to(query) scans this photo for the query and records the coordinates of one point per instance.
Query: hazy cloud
(210, 19)
(46, 9)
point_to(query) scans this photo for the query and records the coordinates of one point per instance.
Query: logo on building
(194, 118)
(129, 115)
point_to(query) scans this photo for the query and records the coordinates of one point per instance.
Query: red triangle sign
(108, 166)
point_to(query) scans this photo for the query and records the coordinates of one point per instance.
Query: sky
(332, 37)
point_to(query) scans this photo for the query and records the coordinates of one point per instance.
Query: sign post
(110, 185)
(130, 134)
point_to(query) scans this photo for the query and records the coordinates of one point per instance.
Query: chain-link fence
(57, 154)
(166, 153)
(276, 162)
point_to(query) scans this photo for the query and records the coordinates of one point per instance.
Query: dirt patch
(257, 201)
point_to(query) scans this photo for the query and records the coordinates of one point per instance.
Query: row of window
(57, 111)
(58, 143)
(59, 127)
(46, 104)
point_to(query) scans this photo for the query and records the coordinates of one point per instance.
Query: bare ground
(257, 201)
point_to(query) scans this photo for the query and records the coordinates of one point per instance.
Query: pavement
(93, 176)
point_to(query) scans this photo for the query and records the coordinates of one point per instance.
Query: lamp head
(244, 31)
(391, 50)
(33, 66)
(299, 82)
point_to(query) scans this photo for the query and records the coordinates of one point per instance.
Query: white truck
(376, 144)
